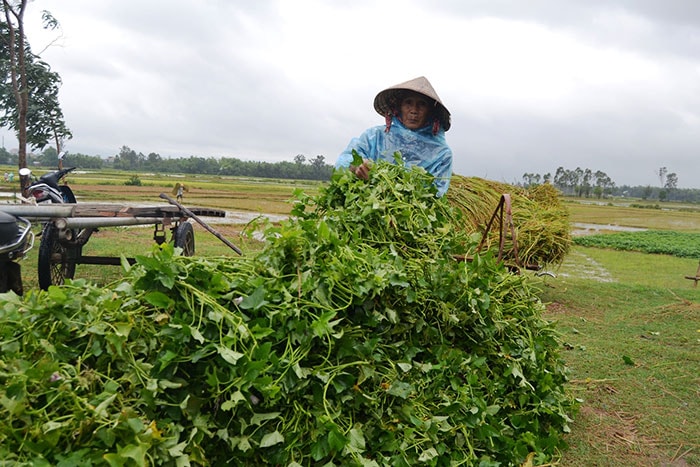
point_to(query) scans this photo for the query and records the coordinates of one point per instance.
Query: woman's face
(415, 110)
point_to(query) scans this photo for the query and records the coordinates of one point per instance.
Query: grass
(629, 321)
(633, 351)
(628, 267)
(631, 326)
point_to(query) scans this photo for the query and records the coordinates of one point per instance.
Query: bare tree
(662, 176)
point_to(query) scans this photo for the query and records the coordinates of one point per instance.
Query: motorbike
(16, 239)
(47, 189)
(59, 249)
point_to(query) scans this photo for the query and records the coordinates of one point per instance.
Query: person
(415, 124)
(179, 190)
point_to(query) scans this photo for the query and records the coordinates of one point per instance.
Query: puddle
(241, 217)
(579, 228)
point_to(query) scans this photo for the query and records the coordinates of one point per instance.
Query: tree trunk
(18, 73)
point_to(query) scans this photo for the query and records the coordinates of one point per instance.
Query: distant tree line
(127, 159)
(588, 184)
(577, 182)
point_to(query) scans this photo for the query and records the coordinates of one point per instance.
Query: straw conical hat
(388, 99)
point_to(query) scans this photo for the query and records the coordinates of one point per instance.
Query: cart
(504, 214)
(68, 227)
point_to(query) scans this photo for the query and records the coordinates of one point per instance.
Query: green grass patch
(680, 244)
(634, 354)
(629, 267)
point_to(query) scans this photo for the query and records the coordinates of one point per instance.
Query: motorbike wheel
(11, 278)
(183, 237)
(55, 263)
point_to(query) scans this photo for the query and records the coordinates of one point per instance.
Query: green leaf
(336, 440)
(428, 455)
(515, 370)
(356, 441)
(242, 442)
(323, 325)
(135, 452)
(255, 300)
(159, 300)
(233, 401)
(122, 329)
(165, 358)
(320, 449)
(356, 158)
(259, 418)
(57, 294)
(323, 231)
(401, 389)
(101, 409)
(270, 439)
(126, 266)
(114, 460)
(231, 356)
(52, 425)
(178, 450)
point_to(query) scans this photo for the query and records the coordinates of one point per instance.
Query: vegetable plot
(353, 338)
(665, 242)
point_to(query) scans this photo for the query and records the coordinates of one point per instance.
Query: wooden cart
(68, 227)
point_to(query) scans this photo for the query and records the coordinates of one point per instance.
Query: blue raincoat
(417, 147)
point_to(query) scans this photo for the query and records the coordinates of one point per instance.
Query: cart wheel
(54, 265)
(183, 237)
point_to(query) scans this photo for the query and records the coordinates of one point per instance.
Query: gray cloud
(605, 85)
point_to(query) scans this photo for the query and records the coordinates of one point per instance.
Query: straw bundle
(541, 223)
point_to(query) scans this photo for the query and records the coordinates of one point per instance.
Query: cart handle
(201, 222)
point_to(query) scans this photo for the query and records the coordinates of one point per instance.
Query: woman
(416, 122)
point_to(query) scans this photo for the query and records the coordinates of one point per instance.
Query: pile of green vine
(353, 338)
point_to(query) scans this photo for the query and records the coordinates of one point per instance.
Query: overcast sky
(532, 85)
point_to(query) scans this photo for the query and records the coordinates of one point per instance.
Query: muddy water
(578, 228)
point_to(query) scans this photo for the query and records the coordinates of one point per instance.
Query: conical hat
(388, 100)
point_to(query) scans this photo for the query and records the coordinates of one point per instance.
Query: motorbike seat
(9, 230)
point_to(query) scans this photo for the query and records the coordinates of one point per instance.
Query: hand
(362, 171)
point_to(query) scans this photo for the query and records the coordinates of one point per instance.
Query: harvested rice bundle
(541, 223)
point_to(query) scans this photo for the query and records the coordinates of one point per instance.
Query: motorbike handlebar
(52, 178)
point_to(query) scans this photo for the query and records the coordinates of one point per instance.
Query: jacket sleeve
(365, 145)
